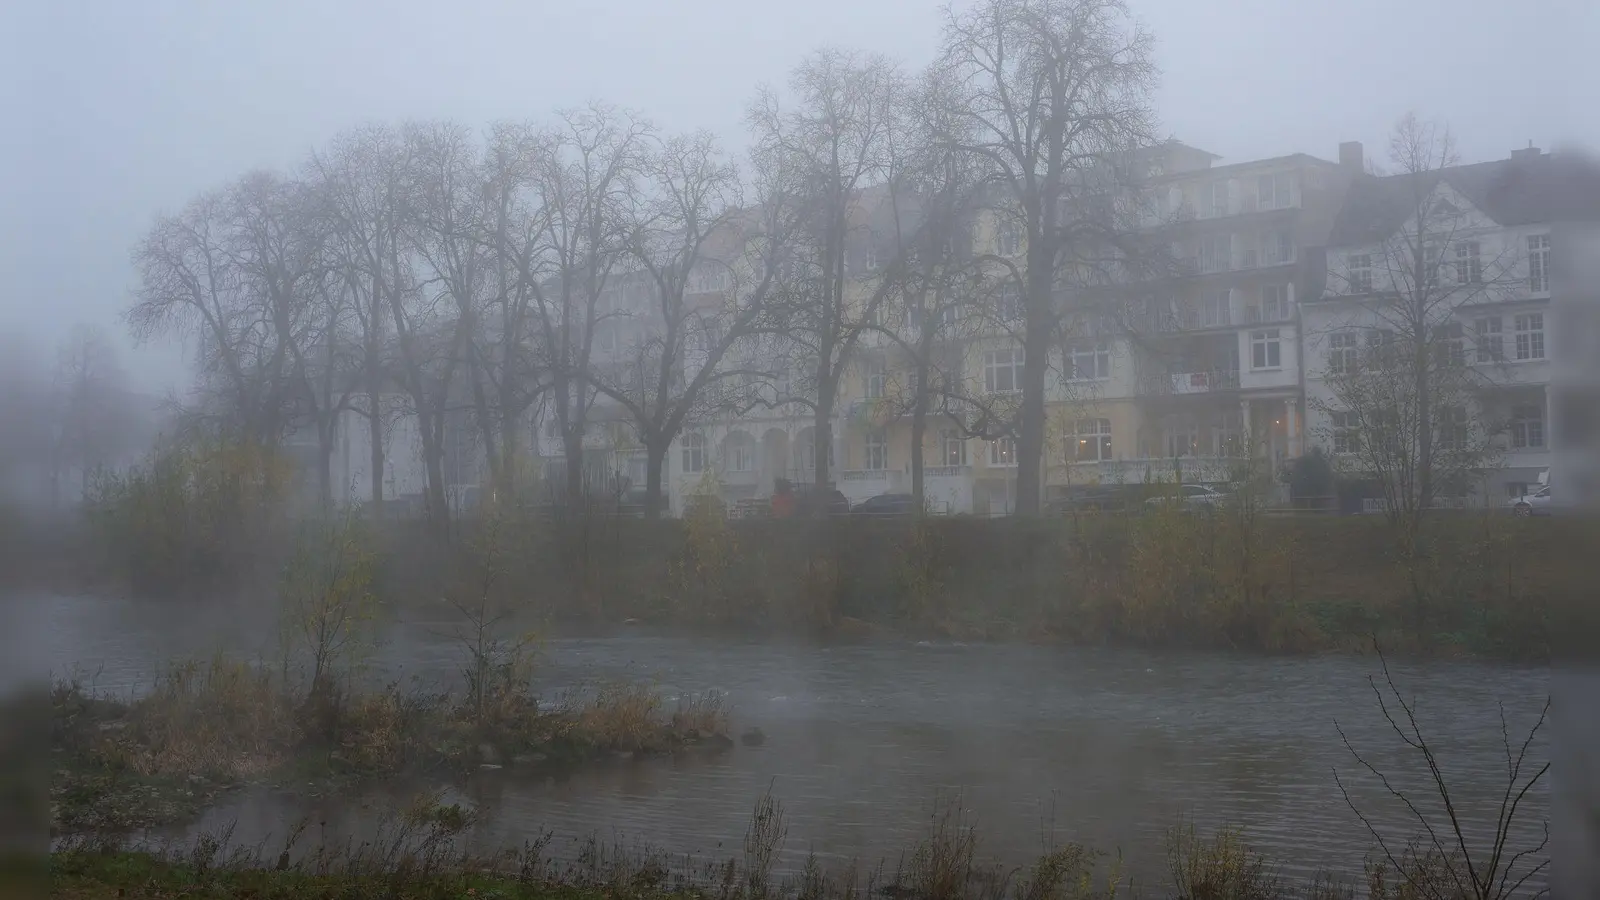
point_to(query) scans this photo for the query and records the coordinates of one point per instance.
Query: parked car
(1191, 498)
(1534, 504)
(886, 505)
(1101, 498)
(808, 498)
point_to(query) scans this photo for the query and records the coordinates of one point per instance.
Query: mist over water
(865, 740)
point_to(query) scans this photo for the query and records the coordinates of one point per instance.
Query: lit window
(1003, 452)
(1091, 441)
(954, 449)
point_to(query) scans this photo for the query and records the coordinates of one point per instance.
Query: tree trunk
(480, 403)
(1030, 440)
(375, 442)
(919, 428)
(822, 442)
(655, 460)
(325, 433)
(438, 512)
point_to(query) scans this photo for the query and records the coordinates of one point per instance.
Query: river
(865, 739)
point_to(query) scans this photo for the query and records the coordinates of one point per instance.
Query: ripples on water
(1107, 747)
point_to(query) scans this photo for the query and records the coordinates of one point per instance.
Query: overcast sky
(117, 110)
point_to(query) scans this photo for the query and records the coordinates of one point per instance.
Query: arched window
(694, 453)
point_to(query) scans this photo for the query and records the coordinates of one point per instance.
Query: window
(954, 449)
(1002, 371)
(1274, 304)
(1216, 253)
(1215, 308)
(1008, 238)
(1217, 199)
(1469, 267)
(1527, 426)
(1451, 350)
(1489, 341)
(1008, 305)
(1003, 452)
(1346, 432)
(869, 258)
(1093, 441)
(877, 379)
(1451, 436)
(1088, 361)
(1278, 248)
(1265, 349)
(1530, 336)
(1344, 353)
(694, 453)
(877, 450)
(1359, 267)
(1539, 263)
(1275, 191)
(741, 453)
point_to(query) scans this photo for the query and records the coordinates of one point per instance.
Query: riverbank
(1473, 584)
(205, 729)
(419, 858)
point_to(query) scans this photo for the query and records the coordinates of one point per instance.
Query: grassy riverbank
(419, 858)
(1472, 583)
(204, 729)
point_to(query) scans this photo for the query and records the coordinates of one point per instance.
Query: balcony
(946, 471)
(1204, 382)
(859, 484)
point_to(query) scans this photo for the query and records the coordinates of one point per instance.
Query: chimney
(1351, 158)
(1529, 152)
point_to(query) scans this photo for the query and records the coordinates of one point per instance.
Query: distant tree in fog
(1055, 96)
(91, 423)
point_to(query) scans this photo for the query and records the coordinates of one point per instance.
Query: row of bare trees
(593, 262)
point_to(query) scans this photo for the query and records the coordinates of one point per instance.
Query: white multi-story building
(1462, 256)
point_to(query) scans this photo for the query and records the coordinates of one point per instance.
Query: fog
(117, 112)
(554, 364)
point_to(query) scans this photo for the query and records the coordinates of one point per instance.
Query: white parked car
(1191, 498)
(1534, 504)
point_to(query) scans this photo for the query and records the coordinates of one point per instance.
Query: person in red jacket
(782, 499)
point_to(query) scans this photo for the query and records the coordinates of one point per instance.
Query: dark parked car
(886, 505)
(1100, 498)
(809, 498)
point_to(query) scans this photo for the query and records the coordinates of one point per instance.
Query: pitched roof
(1524, 190)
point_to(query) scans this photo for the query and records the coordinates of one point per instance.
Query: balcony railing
(946, 471)
(1204, 382)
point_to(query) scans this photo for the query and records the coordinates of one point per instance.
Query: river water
(865, 740)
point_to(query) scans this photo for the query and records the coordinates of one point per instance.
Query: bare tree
(91, 419)
(514, 224)
(1053, 94)
(836, 152)
(708, 266)
(193, 283)
(587, 181)
(362, 181)
(1443, 863)
(1402, 399)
